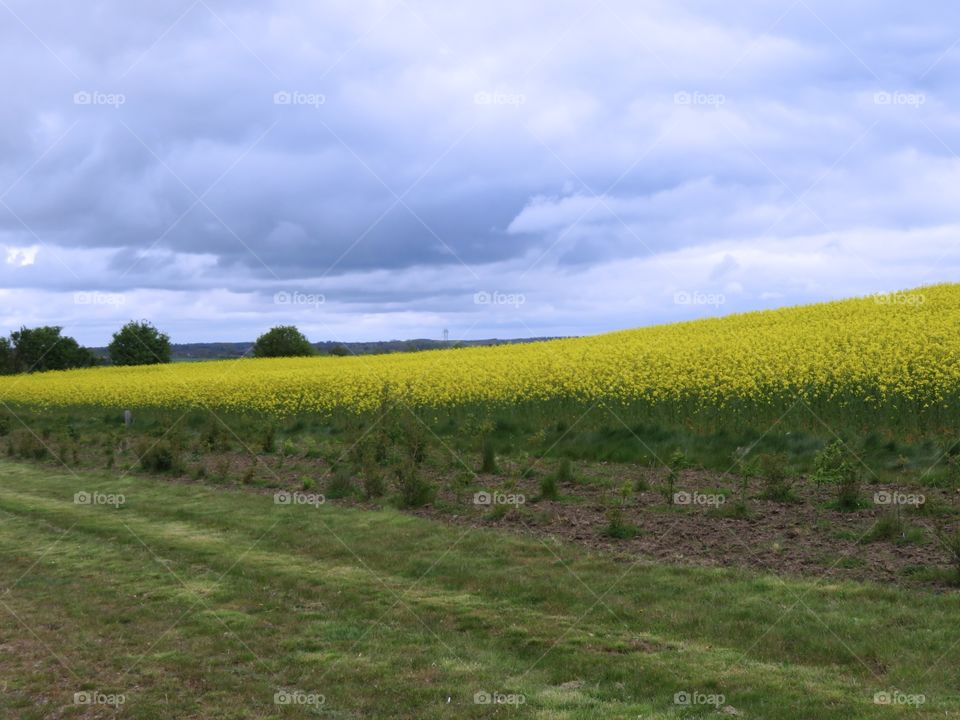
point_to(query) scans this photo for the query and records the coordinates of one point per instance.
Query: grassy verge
(86, 436)
(192, 602)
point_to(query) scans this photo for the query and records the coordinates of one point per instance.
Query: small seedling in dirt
(548, 488)
(835, 465)
(678, 461)
(488, 462)
(308, 483)
(828, 463)
(951, 541)
(413, 437)
(953, 470)
(617, 527)
(746, 469)
(374, 483)
(848, 490)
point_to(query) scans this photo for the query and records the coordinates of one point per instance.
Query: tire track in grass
(474, 625)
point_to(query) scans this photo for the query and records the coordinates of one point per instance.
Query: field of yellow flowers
(893, 353)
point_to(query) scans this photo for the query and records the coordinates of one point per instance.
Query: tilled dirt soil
(805, 537)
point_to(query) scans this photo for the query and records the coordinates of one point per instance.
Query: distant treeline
(140, 343)
(186, 352)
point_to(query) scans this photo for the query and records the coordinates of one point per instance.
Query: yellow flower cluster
(901, 347)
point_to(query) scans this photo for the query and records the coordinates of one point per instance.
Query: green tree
(282, 341)
(139, 343)
(340, 350)
(6, 357)
(44, 348)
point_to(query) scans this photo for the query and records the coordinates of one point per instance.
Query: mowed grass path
(195, 602)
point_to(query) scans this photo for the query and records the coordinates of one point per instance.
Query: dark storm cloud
(404, 155)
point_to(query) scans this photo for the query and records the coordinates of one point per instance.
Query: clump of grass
(25, 444)
(777, 484)
(340, 483)
(889, 526)
(414, 489)
(215, 437)
(221, 469)
(269, 440)
(951, 542)
(565, 472)
(498, 512)
(372, 476)
(159, 457)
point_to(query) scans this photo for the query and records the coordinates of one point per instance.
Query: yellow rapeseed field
(897, 348)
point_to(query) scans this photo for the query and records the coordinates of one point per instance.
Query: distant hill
(192, 352)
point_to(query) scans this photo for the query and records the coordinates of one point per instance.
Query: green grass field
(192, 602)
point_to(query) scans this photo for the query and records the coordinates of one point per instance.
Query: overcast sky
(379, 170)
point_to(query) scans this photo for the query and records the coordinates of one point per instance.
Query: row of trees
(42, 348)
(47, 348)
(136, 343)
